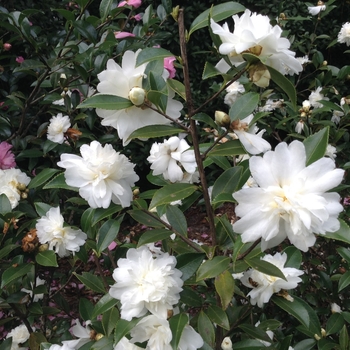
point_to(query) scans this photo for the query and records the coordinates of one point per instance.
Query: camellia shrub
(141, 210)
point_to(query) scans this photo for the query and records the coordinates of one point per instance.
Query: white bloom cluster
(292, 200)
(344, 34)
(234, 90)
(12, 183)
(264, 286)
(101, 174)
(253, 33)
(120, 80)
(168, 158)
(81, 333)
(19, 336)
(62, 239)
(316, 96)
(59, 124)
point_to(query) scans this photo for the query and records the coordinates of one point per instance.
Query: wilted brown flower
(30, 241)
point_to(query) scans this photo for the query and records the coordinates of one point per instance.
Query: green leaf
(123, 327)
(42, 208)
(295, 257)
(103, 305)
(47, 258)
(177, 219)
(344, 281)
(109, 102)
(91, 281)
(189, 297)
(151, 54)
(244, 106)
(206, 329)
(249, 344)
(316, 145)
(218, 316)
(105, 9)
(143, 218)
(101, 213)
(177, 324)
(212, 268)
(225, 287)
(85, 309)
(210, 71)
(306, 344)
(229, 148)
(7, 250)
(343, 234)
(171, 193)
(284, 84)
(302, 311)
(59, 182)
(344, 338)
(109, 320)
(151, 236)
(206, 119)
(217, 13)
(335, 323)
(227, 182)
(86, 29)
(255, 332)
(344, 253)
(188, 264)
(105, 343)
(107, 233)
(15, 272)
(265, 267)
(42, 177)
(178, 87)
(35, 339)
(5, 204)
(151, 131)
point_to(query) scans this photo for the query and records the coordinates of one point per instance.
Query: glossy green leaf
(151, 131)
(91, 281)
(295, 257)
(249, 344)
(86, 219)
(344, 339)
(316, 145)
(177, 324)
(42, 177)
(326, 344)
(265, 267)
(143, 218)
(105, 8)
(270, 325)
(102, 213)
(59, 182)
(225, 287)
(344, 253)
(150, 54)
(123, 327)
(212, 268)
(244, 106)
(191, 298)
(86, 308)
(343, 234)
(14, 272)
(105, 343)
(171, 193)
(35, 339)
(210, 71)
(229, 148)
(284, 84)
(109, 320)
(227, 182)
(344, 281)
(7, 250)
(335, 323)
(218, 316)
(5, 204)
(103, 305)
(107, 233)
(42, 208)
(177, 219)
(86, 29)
(178, 87)
(46, 258)
(206, 329)
(188, 264)
(108, 102)
(255, 332)
(306, 344)
(205, 118)
(217, 13)
(151, 236)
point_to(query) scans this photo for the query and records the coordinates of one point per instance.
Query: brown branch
(243, 255)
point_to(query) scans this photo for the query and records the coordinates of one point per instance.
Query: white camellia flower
(61, 239)
(300, 126)
(335, 308)
(168, 158)
(234, 90)
(250, 138)
(331, 152)
(126, 81)
(264, 286)
(292, 199)
(146, 283)
(271, 105)
(155, 330)
(12, 183)
(344, 34)
(337, 116)
(19, 335)
(124, 344)
(37, 297)
(254, 34)
(190, 339)
(269, 333)
(81, 333)
(60, 102)
(315, 10)
(316, 96)
(59, 124)
(101, 174)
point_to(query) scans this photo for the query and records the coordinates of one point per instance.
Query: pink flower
(169, 66)
(7, 47)
(138, 17)
(134, 3)
(122, 35)
(7, 158)
(19, 59)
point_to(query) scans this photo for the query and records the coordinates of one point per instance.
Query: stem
(193, 129)
(243, 255)
(97, 262)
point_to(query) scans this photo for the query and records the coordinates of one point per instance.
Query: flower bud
(99, 336)
(7, 47)
(175, 12)
(306, 106)
(43, 247)
(137, 96)
(226, 344)
(259, 75)
(222, 119)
